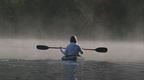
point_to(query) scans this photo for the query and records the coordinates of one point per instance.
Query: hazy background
(89, 19)
(116, 24)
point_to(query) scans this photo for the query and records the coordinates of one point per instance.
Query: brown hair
(73, 39)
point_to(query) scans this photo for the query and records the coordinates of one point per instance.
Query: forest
(105, 19)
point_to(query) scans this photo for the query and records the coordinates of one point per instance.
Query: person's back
(72, 50)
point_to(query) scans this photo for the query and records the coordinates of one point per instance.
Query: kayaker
(72, 50)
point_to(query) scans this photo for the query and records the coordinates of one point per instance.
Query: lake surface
(20, 60)
(12, 69)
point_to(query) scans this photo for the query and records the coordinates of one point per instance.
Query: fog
(94, 19)
(26, 49)
(116, 24)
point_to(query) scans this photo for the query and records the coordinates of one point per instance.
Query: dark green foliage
(82, 17)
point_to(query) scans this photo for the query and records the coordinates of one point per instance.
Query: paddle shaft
(99, 49)
(65, 48)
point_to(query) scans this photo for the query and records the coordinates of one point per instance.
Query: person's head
(73, 39)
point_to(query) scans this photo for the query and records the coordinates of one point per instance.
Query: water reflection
(70, 69)
(55, 70)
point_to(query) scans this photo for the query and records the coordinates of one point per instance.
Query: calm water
(20, 60)
(58, 70)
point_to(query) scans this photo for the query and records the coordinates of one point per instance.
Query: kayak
(69, 58)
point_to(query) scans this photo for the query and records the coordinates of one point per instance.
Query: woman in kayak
(72, 50)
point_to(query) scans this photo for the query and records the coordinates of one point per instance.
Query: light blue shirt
(72, 49)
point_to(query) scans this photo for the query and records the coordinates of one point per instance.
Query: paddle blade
(101, 49)
(42, 47)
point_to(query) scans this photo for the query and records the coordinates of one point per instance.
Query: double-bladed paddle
(99, 49)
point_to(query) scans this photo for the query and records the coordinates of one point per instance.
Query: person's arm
(81, 50)
(62, 51)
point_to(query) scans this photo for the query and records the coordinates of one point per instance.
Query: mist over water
(116, 24)
(26, 49)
